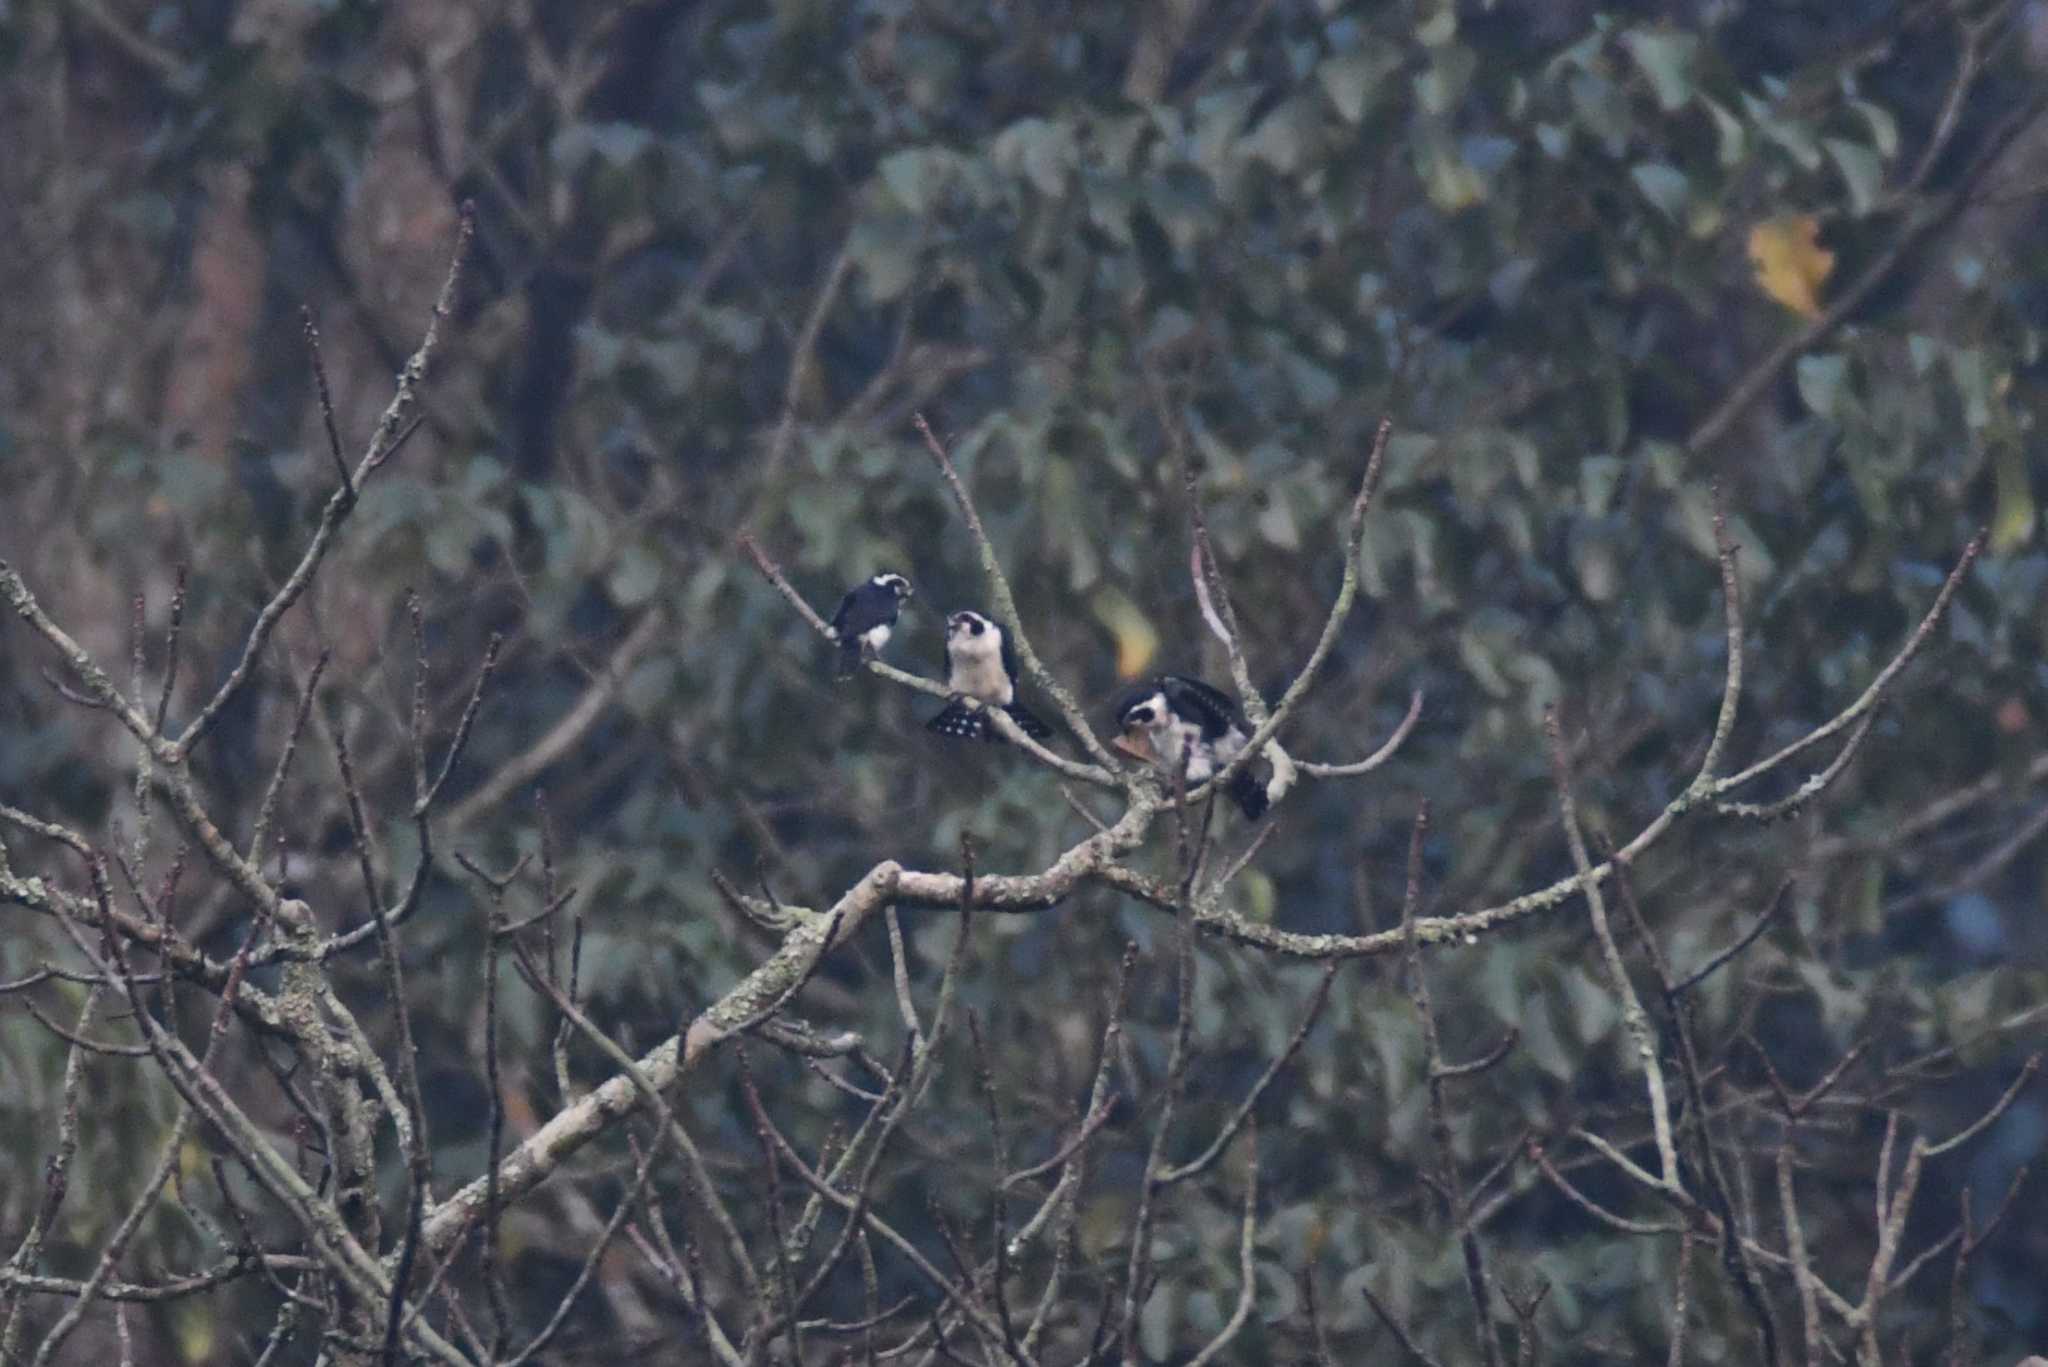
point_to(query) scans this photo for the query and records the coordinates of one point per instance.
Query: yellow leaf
(1791, 265)
(197, 1330)
(1452, 184)
(194, 1160)
(2012, 525)
(1136, 640)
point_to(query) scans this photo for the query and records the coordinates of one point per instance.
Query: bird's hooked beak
(1136, 748)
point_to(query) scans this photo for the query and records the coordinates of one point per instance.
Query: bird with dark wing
(981, 670)
(1173, 720)
(866, 617)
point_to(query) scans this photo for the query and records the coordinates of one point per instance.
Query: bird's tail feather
(1249, 794)
(847, 662)
(961, 721)
(1029, 722)
(964, 720)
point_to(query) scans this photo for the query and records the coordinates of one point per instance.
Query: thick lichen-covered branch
(576, 1125)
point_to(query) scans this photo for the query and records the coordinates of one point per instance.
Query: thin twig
(56, 1184)
(1005, 603)
(1201, 1163)
(1477, 1283)
(1307, 1282)
(1340, 610)
(1246, 1273)
(1401, 1335)
(1377, 757)
(1137, 1273)
(1632, 1014)
(1877, 687)
(326, 396)
(515, 773)
(266, 811)
(173, 638)
(1780, 901)
(383, 443)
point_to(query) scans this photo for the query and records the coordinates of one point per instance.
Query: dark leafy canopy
(1589, 262)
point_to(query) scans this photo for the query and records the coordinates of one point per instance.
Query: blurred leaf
(1219, 121)
(1730, 141)
(1317, 387)
(482, 478)
(1794, 136)
(1791, 265)
(1482, 656)
(886, 250)
(1602, 110)
(197, 1331)
(1541, 1042)
(635, 578)
(1283, 138)
(1598, 478)
(1452, 185)
(2012, 525)
(1594, 1008)
(448, 544)
(616, 144)
(1158, 1322)
(1258, 894)
(1596, 563)
(1042, 151)
(1663, 185)
(1667, 58)
(1137, 641)
(1441, 88)
(1352, 79)
(1884, 129)
(1969, 1003)
(1841, 1006)
(1925, 351)
(1862, 171)
(913, 176)
(1439, 28)
(1973, 383)
(1277, 525)
(738, 330)
(1820, 381)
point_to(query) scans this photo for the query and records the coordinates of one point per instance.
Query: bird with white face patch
(866, 617)
(981, 670)
(1174, 721)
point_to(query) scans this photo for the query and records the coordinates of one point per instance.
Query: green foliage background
(727, 249)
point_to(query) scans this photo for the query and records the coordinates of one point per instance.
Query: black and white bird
(981, 669)
(1172, 720)
(866, 616)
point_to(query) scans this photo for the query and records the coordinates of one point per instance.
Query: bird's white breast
(1229, 745)
(1177, 741)
(978, 669)
(874, 638)
(1185, 738)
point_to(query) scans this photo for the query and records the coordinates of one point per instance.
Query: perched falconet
(1172, 720)
(866, 616)
(981, 669)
